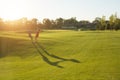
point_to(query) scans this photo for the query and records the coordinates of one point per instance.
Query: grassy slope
(97, 52)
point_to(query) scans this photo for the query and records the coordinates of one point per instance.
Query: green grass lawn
(60, 55)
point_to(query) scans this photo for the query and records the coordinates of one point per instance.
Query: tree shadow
(38, 47)
(14, 47)
(8, 46)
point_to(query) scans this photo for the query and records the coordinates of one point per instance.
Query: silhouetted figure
(30, 35)
(37, 34)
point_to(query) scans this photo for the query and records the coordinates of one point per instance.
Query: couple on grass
(36, 35)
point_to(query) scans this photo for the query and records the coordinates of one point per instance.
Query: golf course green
(60, 55)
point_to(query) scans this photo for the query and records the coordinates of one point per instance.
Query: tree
(97, 23)
(103, 23)
(71, 22)
(83, 25)
(100, 23)
(21, 24)
(47, 23)
(117, 24)
(112, 20)
(59, 22)
(54, 25)
(34, 23)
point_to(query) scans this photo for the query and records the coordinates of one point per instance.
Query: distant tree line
(98, 24)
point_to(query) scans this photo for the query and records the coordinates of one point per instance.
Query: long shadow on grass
(46, 59)
(37, 46)
(54, 56)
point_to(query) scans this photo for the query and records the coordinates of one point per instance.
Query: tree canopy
(60, 23)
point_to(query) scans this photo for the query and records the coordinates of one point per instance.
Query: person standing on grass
(37, 35)
(30, 35)
(29, 30)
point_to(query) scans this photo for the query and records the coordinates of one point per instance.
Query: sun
(11, 9)
(12, 15)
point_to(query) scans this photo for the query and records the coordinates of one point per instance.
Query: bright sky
(52, 9)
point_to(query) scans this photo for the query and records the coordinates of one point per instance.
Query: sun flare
(11, 9)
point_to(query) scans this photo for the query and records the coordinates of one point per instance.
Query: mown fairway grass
(72, 55)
